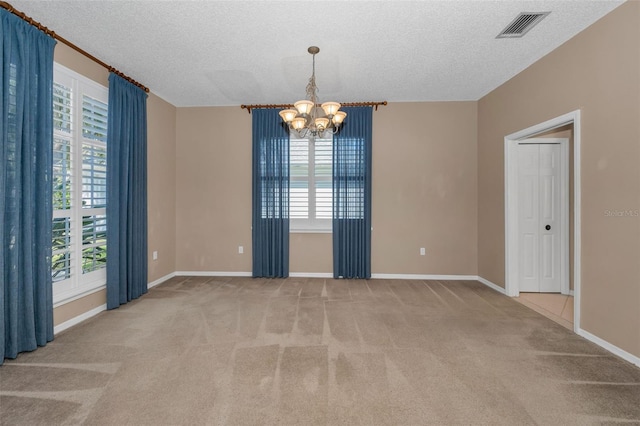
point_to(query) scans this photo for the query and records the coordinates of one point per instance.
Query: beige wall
(213, 189)
(161, 182)
(598, 72)
(161, 186)
(424, 188)
(424, 192)
(311, 253)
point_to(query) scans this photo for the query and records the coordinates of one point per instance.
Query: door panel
(550, 279)
(529, 269)
(539, 209)
(528, 206)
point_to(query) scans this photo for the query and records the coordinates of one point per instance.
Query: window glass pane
(324, 199)
(61, 108)
(299, 199)
(94, 176)
(94, 229)
(61, 249)
(61, 173)
(94, 258)
(94, 241)
(323, 153)
(94, 119)
(299, 157)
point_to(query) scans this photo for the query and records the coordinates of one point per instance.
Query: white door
(539, 215)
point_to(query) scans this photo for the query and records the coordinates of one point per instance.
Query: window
(311, 193)
(79, 250)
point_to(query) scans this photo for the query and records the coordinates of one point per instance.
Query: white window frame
(312, 224)
(78, 284)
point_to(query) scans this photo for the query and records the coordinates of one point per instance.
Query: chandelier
(309, 119)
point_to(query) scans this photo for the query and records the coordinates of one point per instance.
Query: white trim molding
(440, 278)
(330, 275)
(80, 318)
(610, 347)
(423, 277)
(310, 275)
(491, 285)
(161, 280)
(213, 274)
(511, 286)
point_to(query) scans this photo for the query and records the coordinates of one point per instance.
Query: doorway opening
(570, 266)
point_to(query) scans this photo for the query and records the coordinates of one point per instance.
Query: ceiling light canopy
(310, 118)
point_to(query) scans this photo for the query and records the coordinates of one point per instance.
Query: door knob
(548, 227)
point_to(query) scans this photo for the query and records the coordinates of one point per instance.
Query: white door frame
(511, 200)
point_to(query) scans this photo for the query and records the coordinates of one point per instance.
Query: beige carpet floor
(248, 351)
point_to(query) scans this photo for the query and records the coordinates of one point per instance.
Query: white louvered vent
(522, 24)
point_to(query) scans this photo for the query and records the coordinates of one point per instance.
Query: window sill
(310, 231)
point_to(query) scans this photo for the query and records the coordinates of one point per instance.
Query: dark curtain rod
(47, 31)
(283, 106)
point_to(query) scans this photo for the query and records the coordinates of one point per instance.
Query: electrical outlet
(155, 255)
(240, 249)
(422, 251)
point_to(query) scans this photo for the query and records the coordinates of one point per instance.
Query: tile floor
(555, 306)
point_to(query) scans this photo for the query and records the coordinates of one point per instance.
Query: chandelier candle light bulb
(308, 119)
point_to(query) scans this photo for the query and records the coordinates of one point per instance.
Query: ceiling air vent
(522, 24)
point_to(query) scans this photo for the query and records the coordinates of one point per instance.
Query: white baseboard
(423, 277)
(95, 311)
(489, 284)
(249, 274)
(330, 275)
(610, 347)
(77, 320)
(440, 277)
(213, 274)
(161, 280)
(311, 274)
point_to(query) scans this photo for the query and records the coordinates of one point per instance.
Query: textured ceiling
(205, 53)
